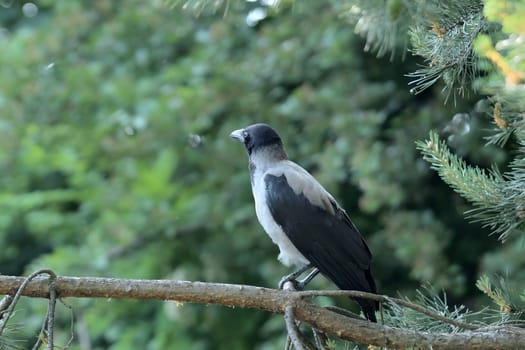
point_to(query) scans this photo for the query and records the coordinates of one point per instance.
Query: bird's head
(257, 137)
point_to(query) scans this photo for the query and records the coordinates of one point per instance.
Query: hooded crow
(303, 219)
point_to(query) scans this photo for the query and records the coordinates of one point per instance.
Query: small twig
(47, 324)
(51, 314)
(297, 339)
(291, 327)
(9, 312)
(4, 304)
(288, 344)
(40, 338)
(381, 310)
(71, 325)
(384, 298)
(320, 339)
(343, 312)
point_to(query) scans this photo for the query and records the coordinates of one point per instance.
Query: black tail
(357, 279)
(369, 308)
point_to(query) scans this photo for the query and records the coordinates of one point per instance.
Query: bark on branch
(271, 300)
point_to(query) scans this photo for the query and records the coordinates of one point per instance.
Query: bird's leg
(302, 283)
(293, 276)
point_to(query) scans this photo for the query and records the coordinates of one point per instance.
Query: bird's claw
(297, 285)
(283, 281)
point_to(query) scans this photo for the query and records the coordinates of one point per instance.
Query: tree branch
(293, 330)
(271, 300)
(384, 298)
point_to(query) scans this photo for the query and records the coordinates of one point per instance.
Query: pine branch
(500, 202)
(384, 28)
(496, 294)
(447, 45)
(477, 186)
(270, 300)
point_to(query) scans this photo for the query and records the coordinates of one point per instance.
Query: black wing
(327, 238)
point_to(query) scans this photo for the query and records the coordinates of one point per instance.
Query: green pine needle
(8, 340)
(499, 201)
(498, 296)
(474, 184)
(447, 45)
(430, 299)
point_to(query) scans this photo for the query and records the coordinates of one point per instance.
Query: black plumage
(303, 219)
(330, 241)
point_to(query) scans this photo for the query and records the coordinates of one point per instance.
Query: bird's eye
(245, 135)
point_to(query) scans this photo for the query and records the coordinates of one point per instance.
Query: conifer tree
(468, 46)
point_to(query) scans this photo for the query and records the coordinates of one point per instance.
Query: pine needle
(499, 200)
(478, 186)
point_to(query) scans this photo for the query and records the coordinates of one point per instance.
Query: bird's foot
(299, 284)
(293, 276)
(286, 279)
(302, 283)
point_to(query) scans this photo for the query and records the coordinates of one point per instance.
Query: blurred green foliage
(116, 161)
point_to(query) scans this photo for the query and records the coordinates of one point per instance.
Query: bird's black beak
(238, 135)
